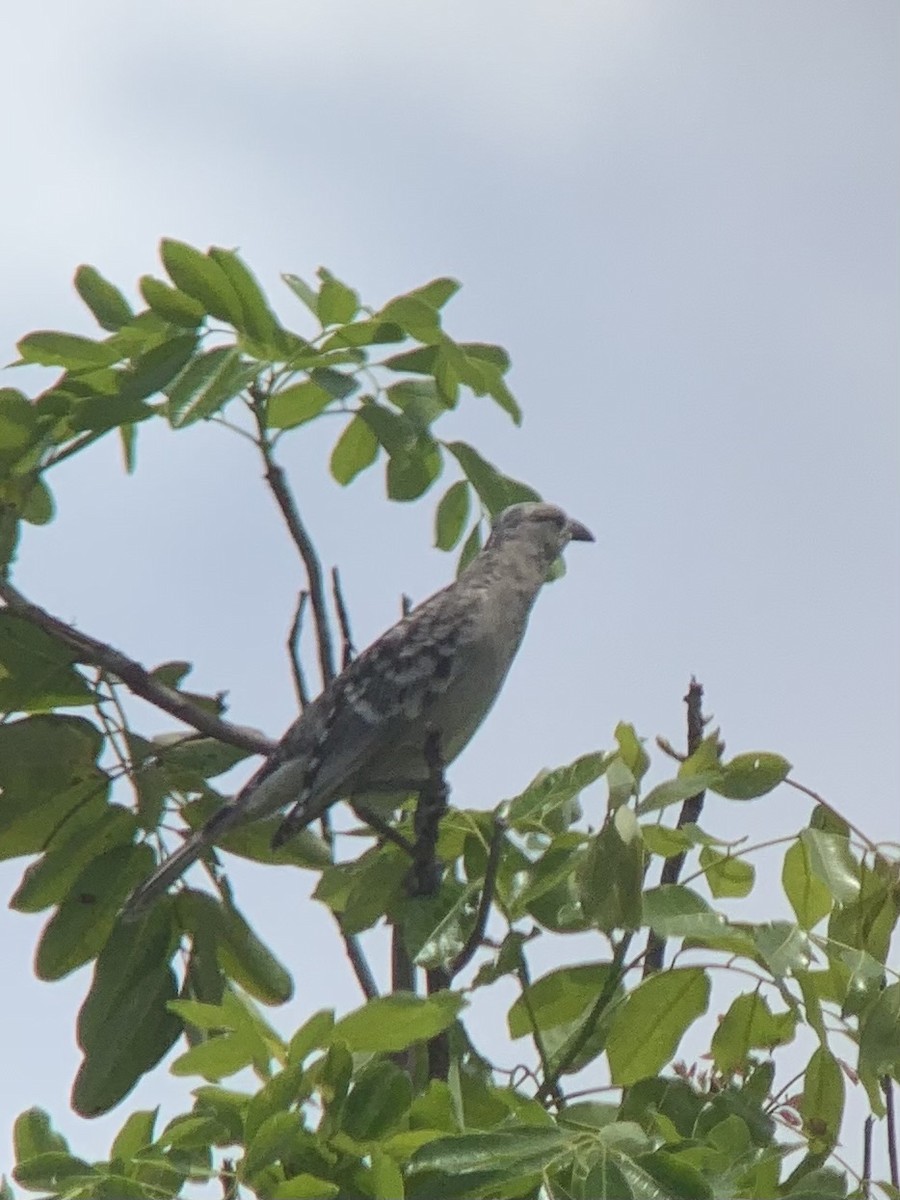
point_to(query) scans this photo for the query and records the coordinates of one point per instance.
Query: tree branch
(95, 653)
(474, 939)
(293, 645)
(277, 482)
(348, 650)
(690, 813)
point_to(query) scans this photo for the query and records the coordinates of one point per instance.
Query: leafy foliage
(359, 1105)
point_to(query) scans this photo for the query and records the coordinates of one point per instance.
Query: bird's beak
(579, 532)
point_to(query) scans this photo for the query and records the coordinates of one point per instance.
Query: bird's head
(540, 529)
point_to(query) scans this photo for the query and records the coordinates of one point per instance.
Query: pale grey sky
(680, 219)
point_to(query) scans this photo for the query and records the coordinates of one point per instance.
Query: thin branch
(589, 1027)
(549, 1089)
(361, 968)
(293, 646)
(891, 1129)
(690, 814)
(277, 482)
(348, 650)
(95, 653)
(866, 841)
(475, 938)
(866, 1180)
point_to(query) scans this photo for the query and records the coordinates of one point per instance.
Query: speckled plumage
(439, 668)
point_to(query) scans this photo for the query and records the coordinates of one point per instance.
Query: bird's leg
(424, 875)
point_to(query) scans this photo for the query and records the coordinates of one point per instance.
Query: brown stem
(690, 813)
(99, 654)
(277, 482)
(348, 650)
(293, 646)
(475, 938)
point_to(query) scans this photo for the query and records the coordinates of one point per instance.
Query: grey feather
(441, 667)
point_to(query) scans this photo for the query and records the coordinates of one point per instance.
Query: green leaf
(103, 298)
(313, 1034)
(124, 1026)
(410, 473)
(808, 895)
(37, 504)
(172, 305)
(437, 292)
(49, 348)
(495, 490)
(471, 547)
(199, 276)
(36, 670)
(297, 404)
(153, 371)
(551, 789)
(879, 1040)
(557, 998)
(257, 320)
(336, 383)
(135, 1135)
(613, 874)
(677, 1177)
(750, 775)
(33, 1135)
(832, 862)
(606, 1181)
(525, 1150)
(675, 791)
(435, 929)
(336, 304)
(393, 431)
(749, 1024)
(726, 875)
(52, 1171)
(648, 1027)
(83, 922)
(100, 413)
(247, 960)
(377, 1103)
(18, 421)
(452, 515)
(47, 881)
(303, 291)
(304, 1187)
(631, 750)
(49, 776)
(413, 315)
(207, 383)
(784, 947)
(355, 449)
(674, 910)
(822, 1105)
(391, 1023)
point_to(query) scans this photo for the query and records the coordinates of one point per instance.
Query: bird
(436, 673)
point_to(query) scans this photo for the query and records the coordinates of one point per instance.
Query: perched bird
(436, 673)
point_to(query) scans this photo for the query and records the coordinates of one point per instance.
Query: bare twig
(348, 650)
(891, 1129)
(866, 841)
(277, 482)
(866, 1180)
(690, 813)
(293, 646)
(617, 972)
(475, 938)
(99, 654)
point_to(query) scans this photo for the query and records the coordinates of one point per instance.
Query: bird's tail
(144, 896)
